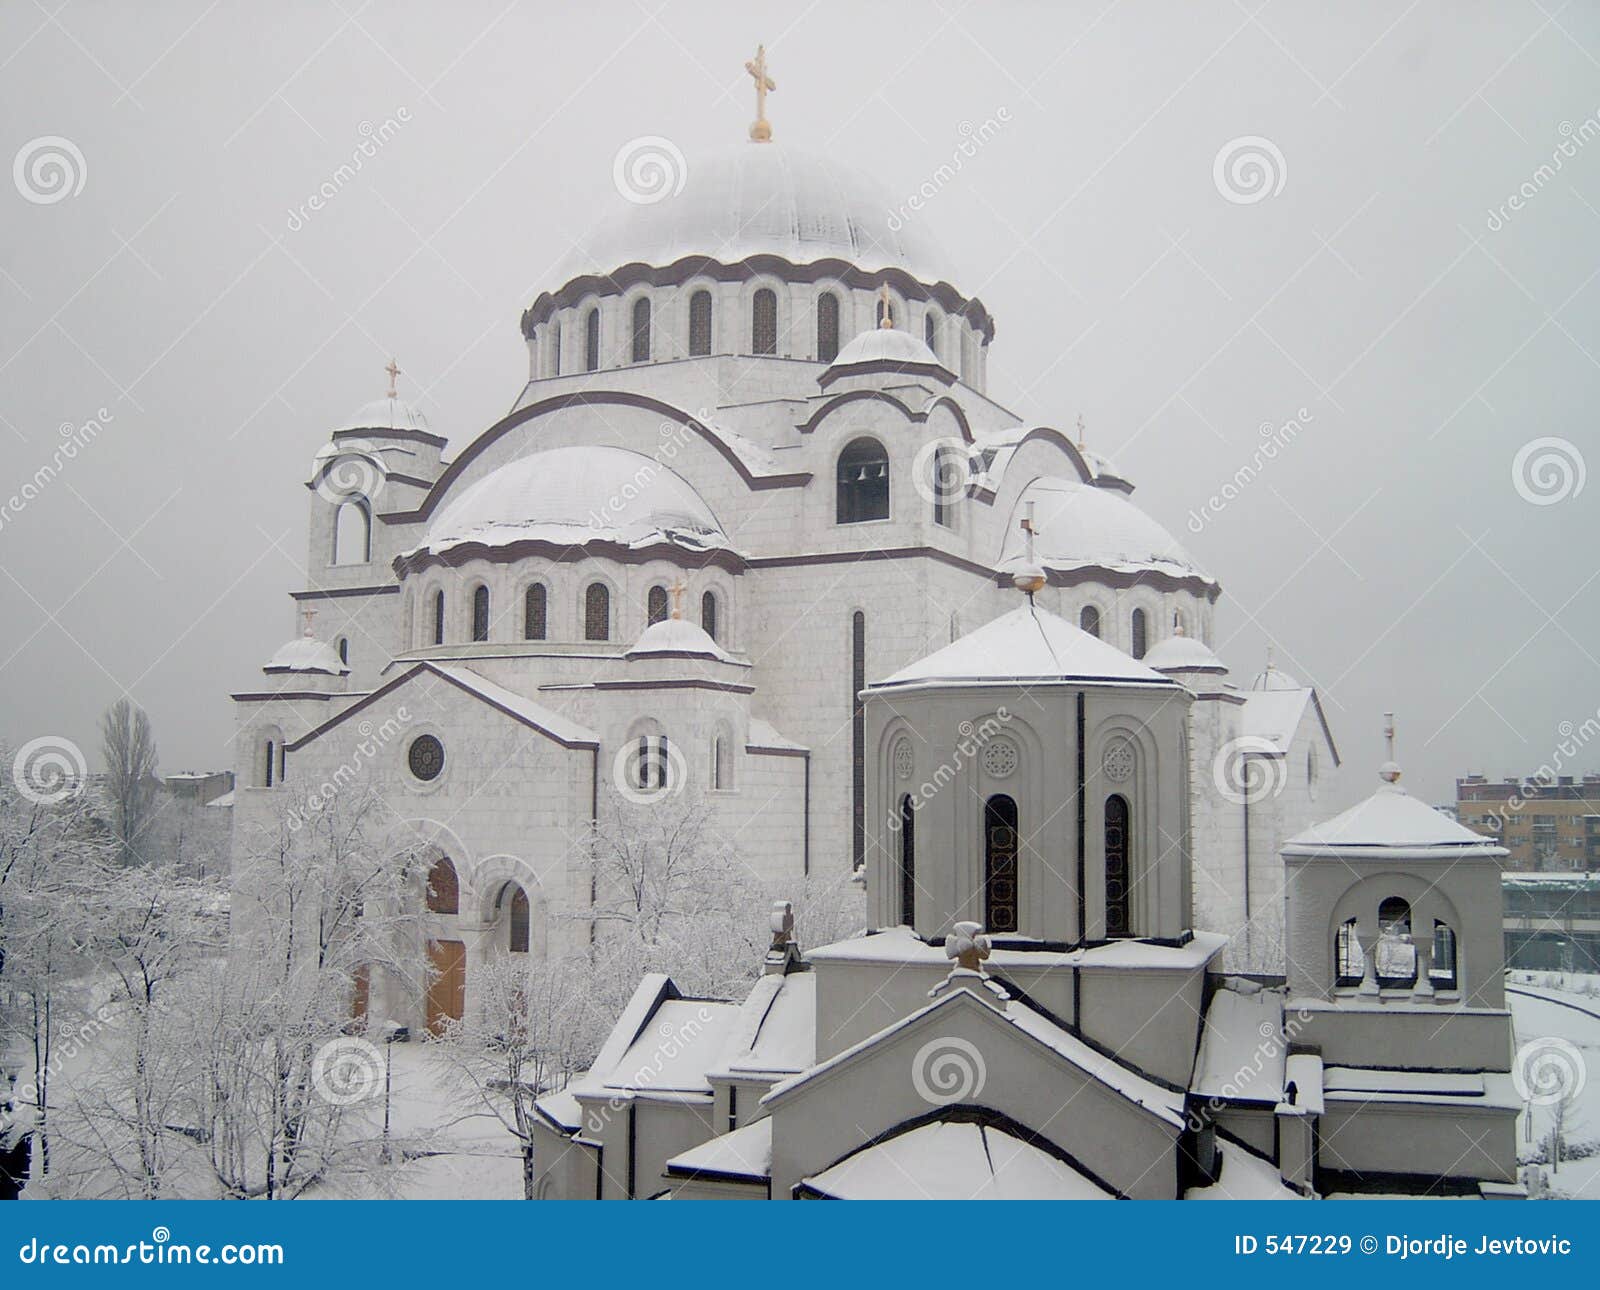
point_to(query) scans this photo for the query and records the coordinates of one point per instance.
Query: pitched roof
(1391, 820)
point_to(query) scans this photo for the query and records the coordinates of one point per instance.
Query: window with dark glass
(1442, 967)
(591, 340)
(517, 929)
(535, 608)
(928, 332)
(885, 313)
(480, 614)
(1348, 962)
(1117, 866)
(908, 862)
(1089, 620)
(1141, 634)
(438, 618)
(1000, 846)
(863, 482)
(425, 757)
(764, 322)
(597, 612)
(708, 614)
(272, 764)
(641, 330)
(344, 649)
(700, 324)
(827, 327)
(1395, 956)
(858, 739)
(655, 606)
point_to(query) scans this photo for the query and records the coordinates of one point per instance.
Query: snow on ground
(1565, 1006)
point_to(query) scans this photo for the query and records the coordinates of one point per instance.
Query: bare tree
(129, 747)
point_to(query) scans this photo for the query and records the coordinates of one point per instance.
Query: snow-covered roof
(675, 1050)
(386, 414)
(1030, 645)
(744, 1153)
(777, 1029)
(757, 199)
(570, 496)
(675, 636)
(1438, 1088)
(226, 799)
(552, 723)
(1081, 526)
(902, 945)
(886, 348)
(1242, 1051)
(957, 1160)
(306, 654)
(1390, 821)
(1275, 678)
(1272, 717)
(764, 735)
(1244, 1176)
(1183, 654)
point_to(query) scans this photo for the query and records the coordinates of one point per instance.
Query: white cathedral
(755, 525)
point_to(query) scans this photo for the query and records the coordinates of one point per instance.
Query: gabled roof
(1242, 1053)
(743, 1155)
(776, 1033)
(1029, 645)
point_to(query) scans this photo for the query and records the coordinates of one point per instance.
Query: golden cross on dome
(761, 128)
(1029, 528)
(393, 371)
(886, 306)
(308, 613)
(1081, 442)
(677, 589)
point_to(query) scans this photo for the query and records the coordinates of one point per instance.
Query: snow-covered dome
(306, 654)
(570, 496)
(386, 414)
(1275, 678)
(1391, 820)
(676, 637)
(886, 349)
(1080, 526)
(759, 199)
(1183, 654)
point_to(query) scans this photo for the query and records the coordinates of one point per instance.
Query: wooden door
(361, 993)
(447, 986)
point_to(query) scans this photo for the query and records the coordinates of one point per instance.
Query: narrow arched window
(764, 322)
(652, 763)
(655, 606)
(1442, 968)
(641, 330)
(344, 649)
(438, 617)
(480, 614)
(948, 486)
(1140, 633)
(908, 862)
(1348, 961)
(517, 922)
(1000, 846)
(591, 340)
(444, 891)
(699, 324)
(969, 357)
(1395, 958)
(719, 763)
(272, 764)
(929, 332)
(708, 614)
(1089, 620)
(858, 739)
(827, 327)
(1118, 867)
(352, 533)
(863, 482)
(597, 612)
(555, 348)
(885, 313)
(535, 610)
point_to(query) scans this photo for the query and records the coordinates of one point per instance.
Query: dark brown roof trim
(338, 593)
(558, 552)
(266, 695)
(764, 750)
(405, 433)
(883, 396)
(934, 371)
(675, 274)
(723, 687)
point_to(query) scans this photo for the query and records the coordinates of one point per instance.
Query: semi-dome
(1275, 678)
(1081, 526)
(759, 199)
(570, 496)
(306, 654)
(886, 349)
(677, 638)
(386, 414)
(1184, 654)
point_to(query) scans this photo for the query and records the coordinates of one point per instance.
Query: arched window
(863, 482)
(1349, 964)
(438, 617)
(708, 614)
(1000, 864)
(908, 862)
(655, 605)
(1442, 968)
(480, 613)
(344, 649)
(555, 348)
(517, 922)
(858, 739)
(352, 532)
(827, 327)
(720, 777)
(535, 610)
(597, 612)
(652, 766)
(884, 315)
(444, 891)
(699, 324)
(1118, 867)
(1395, 958)
(929, 332)
(764, 322)
(1089, 620)
(591, 340)
(641, 330)
(272, 764)
(1141, 634)
(948, 486)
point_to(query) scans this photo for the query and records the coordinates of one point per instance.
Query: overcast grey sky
(1428, 330)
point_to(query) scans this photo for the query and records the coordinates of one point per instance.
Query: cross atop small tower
(1082, 443)
(761, 128)
(308, 613)
(885, 306)
(677, 589)
(394, 371)
(1029, 577)
(1389, 772)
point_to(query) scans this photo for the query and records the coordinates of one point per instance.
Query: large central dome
(759, 199)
